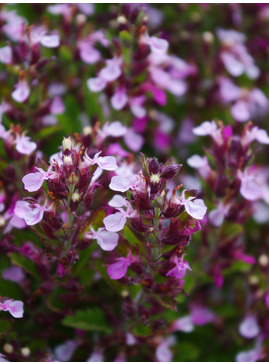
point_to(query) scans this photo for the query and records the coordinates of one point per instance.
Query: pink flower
(195, 207)
(251, 186)
(255, 133)
(235, 56)
(6, 55)
(136, 106)
(133, 140)
(209, 128)
(107, 163)
(31, 213)
(248, 356)
(33, 181)
(200, 163)
(119, 99)
(15, 308)
(179, 270)
(116, 222)
(123, 183)
(119, 269)
(157, 45)
(64, 352)
(163, 352)
(107, 240)
(202, 315)
(217, 216)
(184, 324)
(21, 92)
(249, 327)
(112, 70)
(24, 144)
(96, 84)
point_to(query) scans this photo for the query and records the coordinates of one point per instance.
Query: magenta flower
(21, 92)
(32, 213)
(107, 240)
(15, 308)
(119, 269)
(179, 269)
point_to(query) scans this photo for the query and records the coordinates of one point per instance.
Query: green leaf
(24, 262)
(130, 236)
(5, 326)
(89, 320)
(10, 289)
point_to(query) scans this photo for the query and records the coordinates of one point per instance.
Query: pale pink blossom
(200, 163)
(24, 144)
(163, 352)
(255, 133)
(14, 274)
(21, 92)
(209, 128)
(107, 163)
(201, 315)
(183, 324)
(133, 140)
(195, 207)
(119, 99)
(249, 327)
(107, 240)
(217, 216)
(6, 55)
(31, 213)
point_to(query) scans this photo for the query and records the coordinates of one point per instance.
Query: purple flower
(21, 92)
(251, 185)
(119, 269)
(33, 181)
(249, 327)
(32, 213)
(14, 274)
(64, 352)
(255, 133)
(15, 308)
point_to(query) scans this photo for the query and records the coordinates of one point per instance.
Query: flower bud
(75, 197)
(171, 170)
(25, 352)
(8, 348)
(154, 178)
(68, 160)
(87, 130)
(67, 144)
(153, 165)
